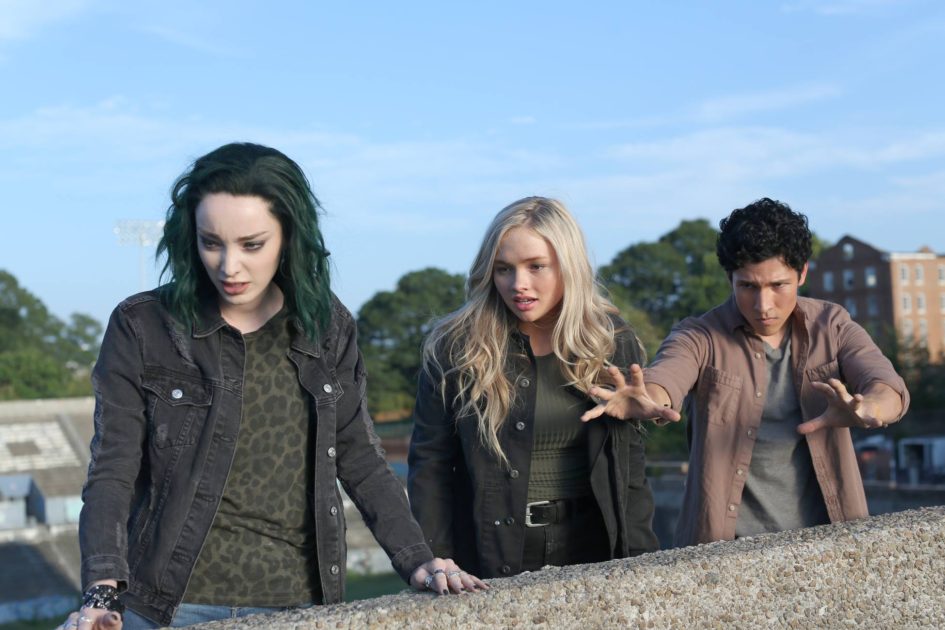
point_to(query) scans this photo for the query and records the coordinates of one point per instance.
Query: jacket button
(731, 507)
(524, 382)
(497, 523)
(739, 472)
(506, 569)
(331, 451)
(334, 569)
(513, 474)
(750, 432)
(520, 425)
(510, 521)
(327, 388)
(177, 394)
(333, 510)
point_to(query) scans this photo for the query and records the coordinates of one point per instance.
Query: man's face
(766, 294)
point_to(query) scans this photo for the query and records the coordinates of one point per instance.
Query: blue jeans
(190, 614)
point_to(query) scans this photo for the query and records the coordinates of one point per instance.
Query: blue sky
(417, 121)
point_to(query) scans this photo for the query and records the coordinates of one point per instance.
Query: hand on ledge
(443, 576)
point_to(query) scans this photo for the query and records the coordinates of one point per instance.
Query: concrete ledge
(883, 572)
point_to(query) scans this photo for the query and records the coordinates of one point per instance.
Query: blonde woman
(504, 476)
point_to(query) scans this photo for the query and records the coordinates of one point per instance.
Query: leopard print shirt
(261, 547)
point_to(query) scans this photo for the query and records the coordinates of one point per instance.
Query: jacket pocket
(720, 391)
(825, 371)
(178, 405)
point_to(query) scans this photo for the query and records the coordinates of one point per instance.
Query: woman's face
(240, 244)
(527, 276)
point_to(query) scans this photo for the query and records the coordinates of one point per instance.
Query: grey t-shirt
(781, 491)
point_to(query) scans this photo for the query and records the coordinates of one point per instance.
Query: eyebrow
(241, 239)
(499, 261)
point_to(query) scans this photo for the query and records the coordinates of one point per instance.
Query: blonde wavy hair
(470, 345)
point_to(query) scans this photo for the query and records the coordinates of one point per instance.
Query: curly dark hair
(762, 230)
(249, 170)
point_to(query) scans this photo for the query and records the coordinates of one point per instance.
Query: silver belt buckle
(528, 513)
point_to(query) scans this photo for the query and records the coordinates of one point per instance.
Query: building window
(941, 274)
(920, 303)
(848, 279)
(923, 333)
(850, 305)
(869, 276)
(919, 274)
(848, 251)
(907, 303)
(904, 273)
(872, 306)
(828, 281)
(907, 330)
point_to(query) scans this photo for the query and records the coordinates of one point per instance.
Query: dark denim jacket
(167, 415)
(472, 508)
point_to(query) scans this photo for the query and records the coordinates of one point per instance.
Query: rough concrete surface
(883, 572)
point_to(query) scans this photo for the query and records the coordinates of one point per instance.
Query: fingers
(445, 576)
(667, 414)
(108, 621)
(636, 376)
(431, 576)
(806, 428)
(70, 623)
(595, 412)
(617, 375)
(92, 619)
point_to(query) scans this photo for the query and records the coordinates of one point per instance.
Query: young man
(771, 383)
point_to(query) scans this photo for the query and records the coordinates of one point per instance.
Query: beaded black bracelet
(103, 596)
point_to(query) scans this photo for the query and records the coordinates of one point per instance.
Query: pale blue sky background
(418, 121)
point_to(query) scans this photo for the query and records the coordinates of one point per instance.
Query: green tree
(670, 279)
(40, 356)
(391, 329)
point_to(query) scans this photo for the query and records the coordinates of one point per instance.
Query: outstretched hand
(443, 576)
(628, 401)
(843, 410)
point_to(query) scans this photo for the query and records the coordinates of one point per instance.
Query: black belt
(541, 513)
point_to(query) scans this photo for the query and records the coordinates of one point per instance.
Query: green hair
(245, 169)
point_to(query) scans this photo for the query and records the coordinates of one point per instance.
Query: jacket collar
(209, 320)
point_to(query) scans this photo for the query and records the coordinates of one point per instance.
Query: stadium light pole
(144, 234)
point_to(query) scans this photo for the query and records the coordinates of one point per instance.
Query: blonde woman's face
(527, 276)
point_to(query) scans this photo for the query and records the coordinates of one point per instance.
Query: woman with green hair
(229, 402)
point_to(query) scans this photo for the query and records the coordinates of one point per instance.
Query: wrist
(103, 596)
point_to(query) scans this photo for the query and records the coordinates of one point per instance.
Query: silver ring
(84, 618)
(435, 571)
(427, 581)
(453, 574)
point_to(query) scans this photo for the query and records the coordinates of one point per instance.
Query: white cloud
(737, 105)
(764, 152)
(200, 43)
(20, 19)
(838, 7)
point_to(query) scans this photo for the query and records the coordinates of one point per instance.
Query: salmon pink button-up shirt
(718, 367)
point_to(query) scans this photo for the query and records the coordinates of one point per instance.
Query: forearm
(883, 403)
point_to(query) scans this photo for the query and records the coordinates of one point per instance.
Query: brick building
(888, 293)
